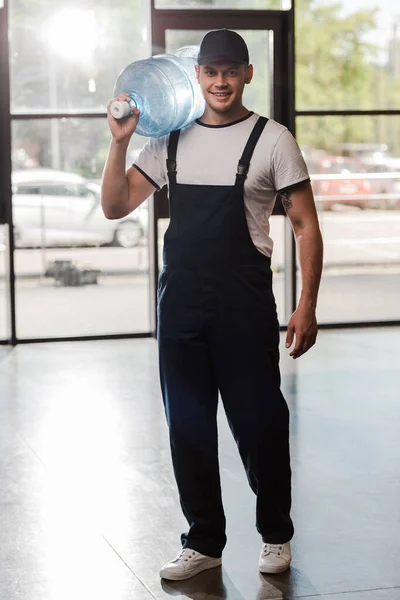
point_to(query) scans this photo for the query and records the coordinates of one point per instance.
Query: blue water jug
(164, 89)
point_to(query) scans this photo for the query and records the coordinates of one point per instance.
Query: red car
(339, 180)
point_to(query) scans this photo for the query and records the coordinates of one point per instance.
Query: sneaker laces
(185, 554)
(272, 549)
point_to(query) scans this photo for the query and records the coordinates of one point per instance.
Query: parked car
(338, 180)
(56, 208)
(385, 184)
(383, 172)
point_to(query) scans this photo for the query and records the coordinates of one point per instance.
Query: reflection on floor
(88, 504)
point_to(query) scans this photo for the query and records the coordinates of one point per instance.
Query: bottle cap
(120, 109)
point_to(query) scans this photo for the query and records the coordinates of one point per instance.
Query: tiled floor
(88, 504)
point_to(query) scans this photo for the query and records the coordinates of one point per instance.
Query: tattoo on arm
(286, 195)
(286, 199)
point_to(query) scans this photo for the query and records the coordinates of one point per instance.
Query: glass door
(268, 95)
(78, 274)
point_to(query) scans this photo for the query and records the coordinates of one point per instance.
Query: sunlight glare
(73, 34)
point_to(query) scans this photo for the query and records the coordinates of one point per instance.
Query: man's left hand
(303, 325)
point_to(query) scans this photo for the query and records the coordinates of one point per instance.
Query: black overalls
(218, 330)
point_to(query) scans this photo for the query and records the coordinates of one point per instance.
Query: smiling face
(222, 85)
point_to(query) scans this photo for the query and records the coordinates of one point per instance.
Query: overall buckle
(171, 166)
(242, 168)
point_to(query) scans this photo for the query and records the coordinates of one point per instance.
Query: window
(354, 164)
(66, 58)
(347, 55)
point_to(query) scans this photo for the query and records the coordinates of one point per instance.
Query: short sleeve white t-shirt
(209, 155)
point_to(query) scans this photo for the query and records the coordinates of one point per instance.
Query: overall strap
(244, 162)
(171, 157)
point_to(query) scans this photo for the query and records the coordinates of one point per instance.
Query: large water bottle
(164, 89)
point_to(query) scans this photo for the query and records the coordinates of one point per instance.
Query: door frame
(280, 22)
(282, 94)
(5, 173)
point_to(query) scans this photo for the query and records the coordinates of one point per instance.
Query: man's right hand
(122, 129)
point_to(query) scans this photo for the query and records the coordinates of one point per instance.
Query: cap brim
(206, 60)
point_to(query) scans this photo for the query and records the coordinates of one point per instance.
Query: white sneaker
(188, 563)
(275, 558)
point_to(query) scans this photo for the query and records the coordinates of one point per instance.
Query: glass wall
(348, 59)
(67, 58)
(81, 273)
(347, 55)
(354, 164)
(77, 272)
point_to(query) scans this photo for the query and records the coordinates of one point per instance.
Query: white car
(55, 208)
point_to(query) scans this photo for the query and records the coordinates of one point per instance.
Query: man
(218, 328)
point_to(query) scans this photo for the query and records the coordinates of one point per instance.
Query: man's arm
(298, 202)
(122, 191)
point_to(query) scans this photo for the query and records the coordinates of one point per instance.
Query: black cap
(223, 45)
